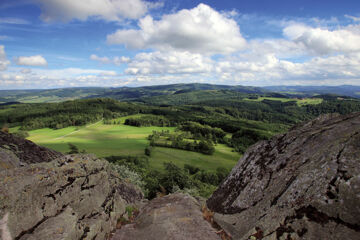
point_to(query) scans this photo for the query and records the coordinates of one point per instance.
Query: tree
(174, 176)
(73, 149)
(148, 150)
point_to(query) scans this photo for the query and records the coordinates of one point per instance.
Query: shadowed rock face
(301, 185)
(71, 197)
(176, 216)
(15, 151)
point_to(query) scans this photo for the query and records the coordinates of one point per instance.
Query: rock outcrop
(176, 216)
(304, 184)
(71, 197)
(16, 152)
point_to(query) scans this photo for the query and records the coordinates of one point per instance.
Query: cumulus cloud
(105, 60)
(37, 61)
(110, 10)
(3, 60)
(201, 30)
(173, 62)
(324, 41)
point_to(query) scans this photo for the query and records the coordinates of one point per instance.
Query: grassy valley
(123, 140)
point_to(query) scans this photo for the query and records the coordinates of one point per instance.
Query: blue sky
(66, 43)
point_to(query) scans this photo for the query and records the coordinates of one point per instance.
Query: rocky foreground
(45, 195)
(301, 185)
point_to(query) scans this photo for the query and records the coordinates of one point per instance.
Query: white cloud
(110, 10)
(173, 62)
(38, 61)
(68, 72)
(3, 60)
(105, 60)
(108, 73)
(25, 70)
(50, 78)
(201, 30)
(355, 19)
(13, 21)
(323, 41)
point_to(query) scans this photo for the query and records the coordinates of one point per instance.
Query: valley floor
(122, 140)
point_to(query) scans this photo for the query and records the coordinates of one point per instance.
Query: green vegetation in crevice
(173, 178)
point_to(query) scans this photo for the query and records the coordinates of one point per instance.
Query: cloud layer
(192, 45)
(201, 30)
(105, 60)
(3, 60)
(110, 10)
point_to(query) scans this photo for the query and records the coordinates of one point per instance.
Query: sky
(114, 43)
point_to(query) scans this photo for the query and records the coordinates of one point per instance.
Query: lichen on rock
(71, 197)
(304, 184)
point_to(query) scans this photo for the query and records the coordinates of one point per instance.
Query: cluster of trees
(181, 141)
(64, 114)
(244, 138)
(172, 178)
(149, 120)
(200, 131)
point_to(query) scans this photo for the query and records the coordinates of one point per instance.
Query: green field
(106, 140)
(300, 102)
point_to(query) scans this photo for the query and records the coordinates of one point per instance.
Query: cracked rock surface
(304, 184)
(175, 216)
(71, 197)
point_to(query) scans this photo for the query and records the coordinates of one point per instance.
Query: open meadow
(299, 102)
(121, 140)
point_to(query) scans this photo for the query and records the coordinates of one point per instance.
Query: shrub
(148, 151)
(129, 176)
(73, 149)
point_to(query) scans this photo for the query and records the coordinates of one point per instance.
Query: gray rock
(304, 184)
(74, 197)
(26, 152)
(176, 216)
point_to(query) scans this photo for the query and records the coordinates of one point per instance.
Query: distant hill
(343, 90)
(173, 93)
(122, 93)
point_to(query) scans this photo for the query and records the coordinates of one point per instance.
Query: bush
(21, 134)
(148, 151)
(130, 176)
(191, 169)
(174, 176)
(73, 149)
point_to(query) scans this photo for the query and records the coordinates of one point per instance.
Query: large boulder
(176, 216)
(304, 184)
(71, 197)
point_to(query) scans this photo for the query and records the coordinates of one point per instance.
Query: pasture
(299, 102)
(106, 140)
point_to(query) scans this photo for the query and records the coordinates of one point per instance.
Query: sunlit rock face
(304, 184)
(46, 195)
